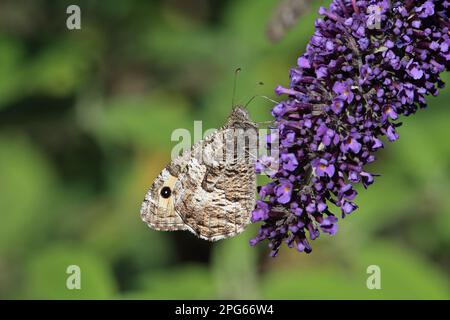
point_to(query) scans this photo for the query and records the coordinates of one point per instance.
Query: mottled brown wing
(212, 186)
(159, 212)
(218, 196)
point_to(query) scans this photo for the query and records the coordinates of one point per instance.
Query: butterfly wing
(219, 191)
(158, 211)
(212, 186)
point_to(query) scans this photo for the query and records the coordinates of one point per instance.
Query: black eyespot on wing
(166, 192)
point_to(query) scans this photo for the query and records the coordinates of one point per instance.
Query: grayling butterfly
(209, 189)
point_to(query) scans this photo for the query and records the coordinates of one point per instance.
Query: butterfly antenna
(236, 72)
(260, 96)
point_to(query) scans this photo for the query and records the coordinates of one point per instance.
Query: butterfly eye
(166, 192)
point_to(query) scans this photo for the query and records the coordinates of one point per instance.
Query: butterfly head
(239, 117)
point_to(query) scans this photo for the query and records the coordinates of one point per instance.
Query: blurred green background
(85, 124)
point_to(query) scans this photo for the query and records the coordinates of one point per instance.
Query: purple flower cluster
(367, 63)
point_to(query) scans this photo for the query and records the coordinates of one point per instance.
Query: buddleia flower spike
(368, 64)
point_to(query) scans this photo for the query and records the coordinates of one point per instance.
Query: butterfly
(210, 189)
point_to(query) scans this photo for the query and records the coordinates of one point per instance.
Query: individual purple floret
(368, 63)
